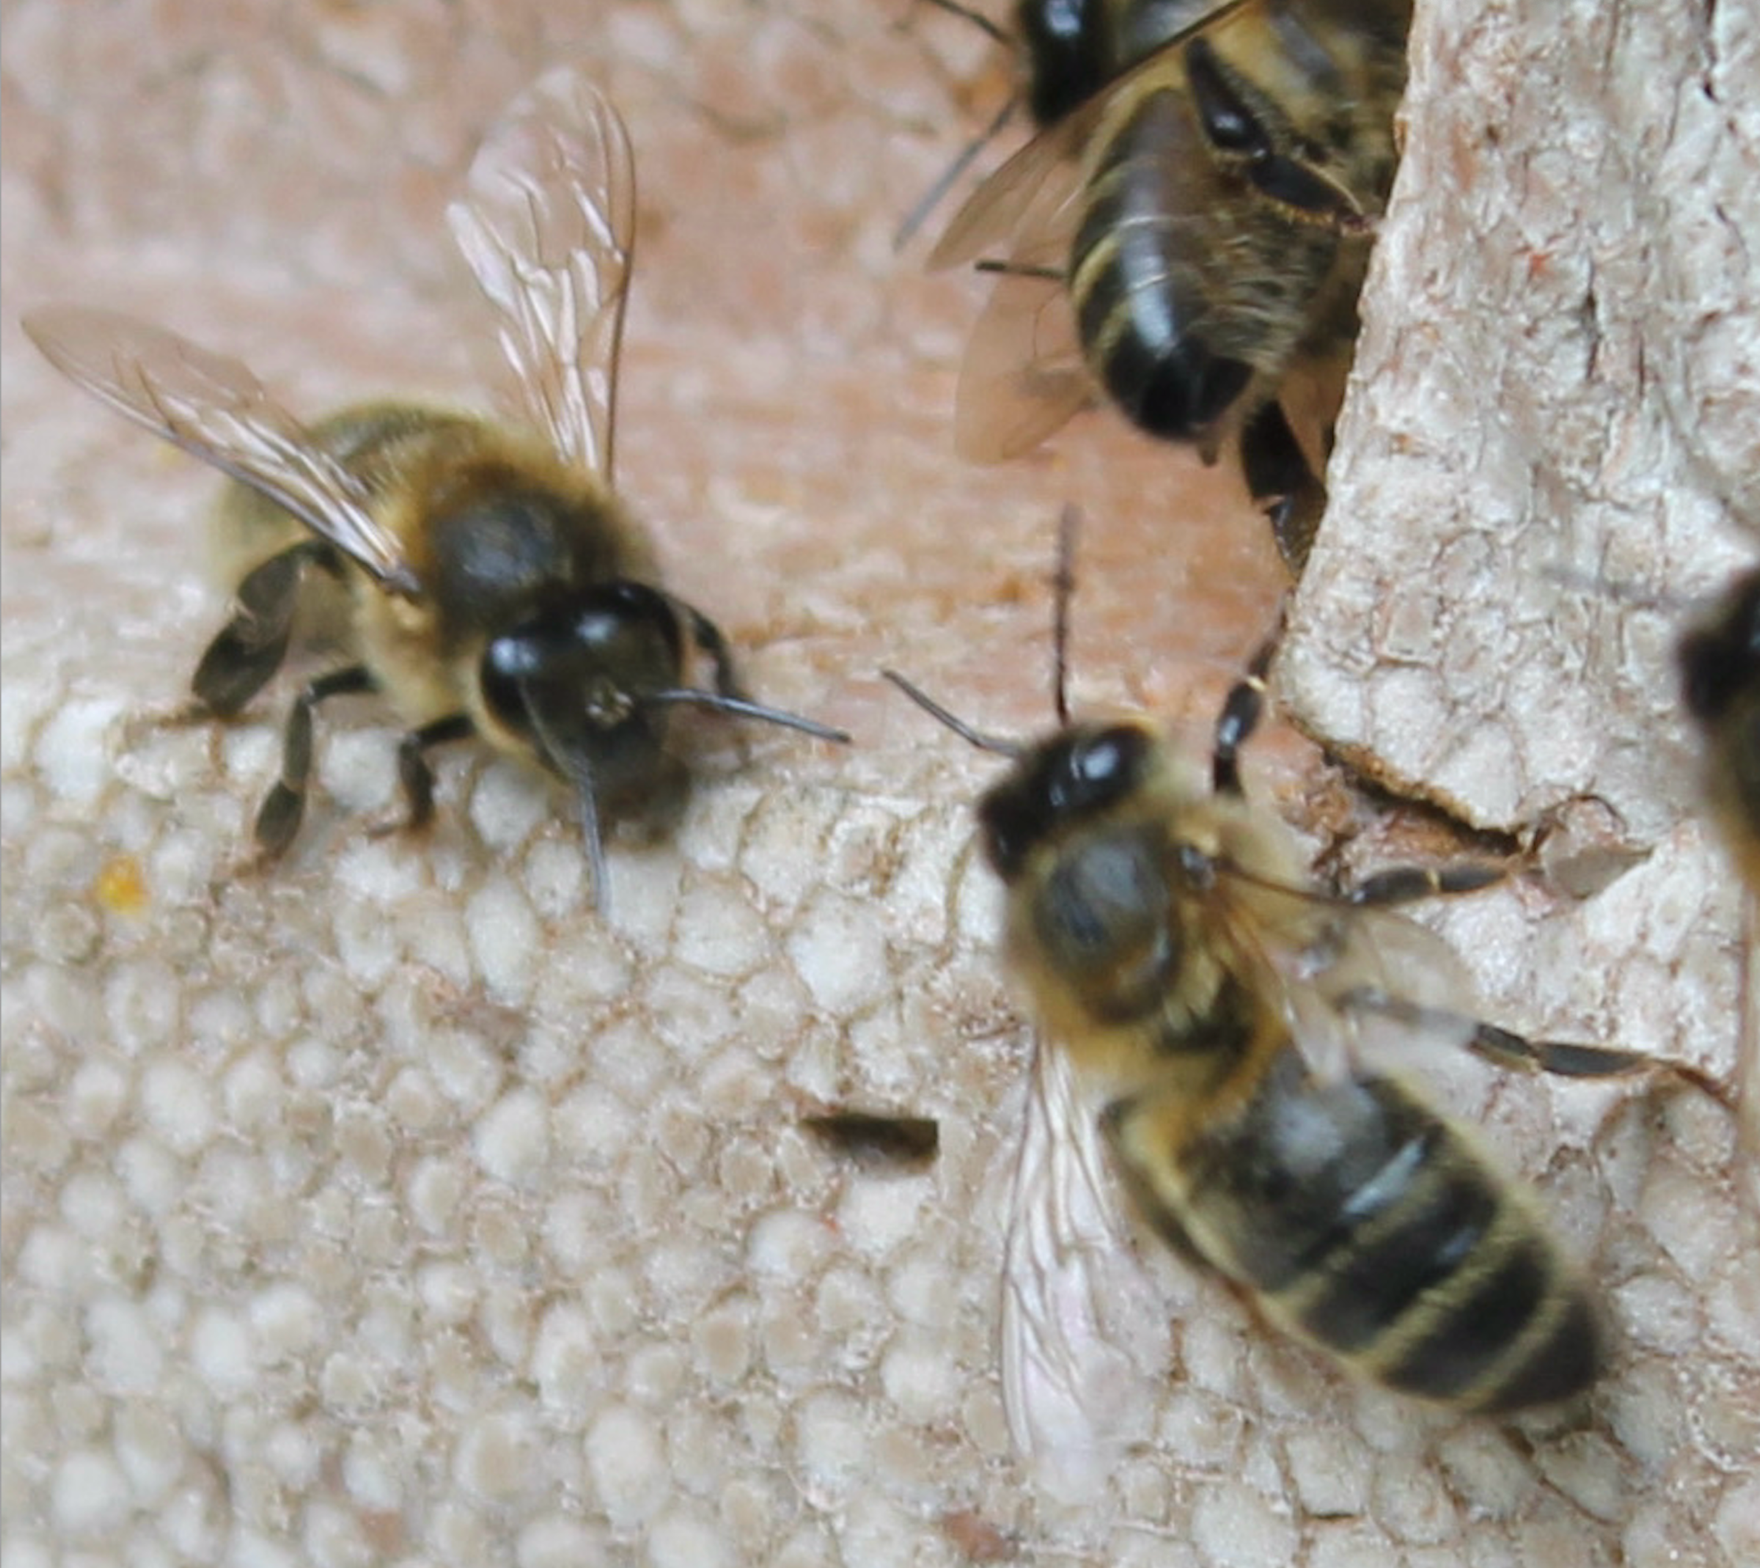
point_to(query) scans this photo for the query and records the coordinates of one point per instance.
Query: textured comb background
(393, 1208)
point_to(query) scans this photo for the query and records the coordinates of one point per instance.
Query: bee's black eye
(1073, 777)
(1068, 52)
(510, 664)
(1099, 765)
(583, 659)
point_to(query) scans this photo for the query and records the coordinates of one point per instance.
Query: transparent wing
(1034, 189)
(1023, 377)
(1030, 196)
(547, 224)
(1332, 965)
(1070, 1275)
(215, 408)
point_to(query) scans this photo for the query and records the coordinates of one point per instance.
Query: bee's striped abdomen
(1372, 1227)
(1135, 296)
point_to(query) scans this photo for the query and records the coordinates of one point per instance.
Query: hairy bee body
(1203, 191)
(1355, 1214)
(496, 526)
(483, 576)
(1720, 666)
(1365, 1223)
(1193, 290)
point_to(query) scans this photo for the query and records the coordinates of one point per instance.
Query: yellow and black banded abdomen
(1375, 1229)
(1185, 284)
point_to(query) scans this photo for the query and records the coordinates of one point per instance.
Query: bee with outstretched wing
(1239, 1039)
(1188, 231)
(492, 583)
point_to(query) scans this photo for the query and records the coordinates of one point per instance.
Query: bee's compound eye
(1101, 768)
(1098, 761)
(510, 663)
(1072, 778)
(514, 657)
(1062, 19)
(632, 596)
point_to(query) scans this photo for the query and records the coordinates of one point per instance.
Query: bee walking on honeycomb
(1218, 1028)
(489, 578)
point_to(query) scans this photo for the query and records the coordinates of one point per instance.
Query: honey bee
(1208, 1020)
(1189, 232)
(489, 580)
(1720, 669)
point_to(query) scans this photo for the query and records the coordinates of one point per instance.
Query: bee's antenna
(1063, 584)
(581, 776)
(583, 781)
(743, 708)
(951, 175)
(976, 18)
(931, 198)
(1621, 590)
(995, 743)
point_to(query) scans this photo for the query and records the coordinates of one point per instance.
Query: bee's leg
(413, 772)
(1570, 1060)
(1408, 884)
(1017, 269)
(707, 636)
(250, 647)
(1282, 484)
(279, 816)
(1241, 711)
(1505, 1048)
(1239, 135)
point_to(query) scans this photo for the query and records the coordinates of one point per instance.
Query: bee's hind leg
(278, 818)
(250, 647)
(1567, 1058)
(1504, 1047)
(1407, 884)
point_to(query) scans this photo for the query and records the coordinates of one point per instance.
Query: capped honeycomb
(393, 1206)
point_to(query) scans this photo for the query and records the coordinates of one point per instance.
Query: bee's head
(1721, 659)
(591, 682)
(577, 680)
(1081, 772)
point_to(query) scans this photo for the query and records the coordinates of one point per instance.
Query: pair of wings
(1024, 375)
(547, 225)
(1076, 1301)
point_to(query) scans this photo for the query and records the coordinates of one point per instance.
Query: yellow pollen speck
(119, 887)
